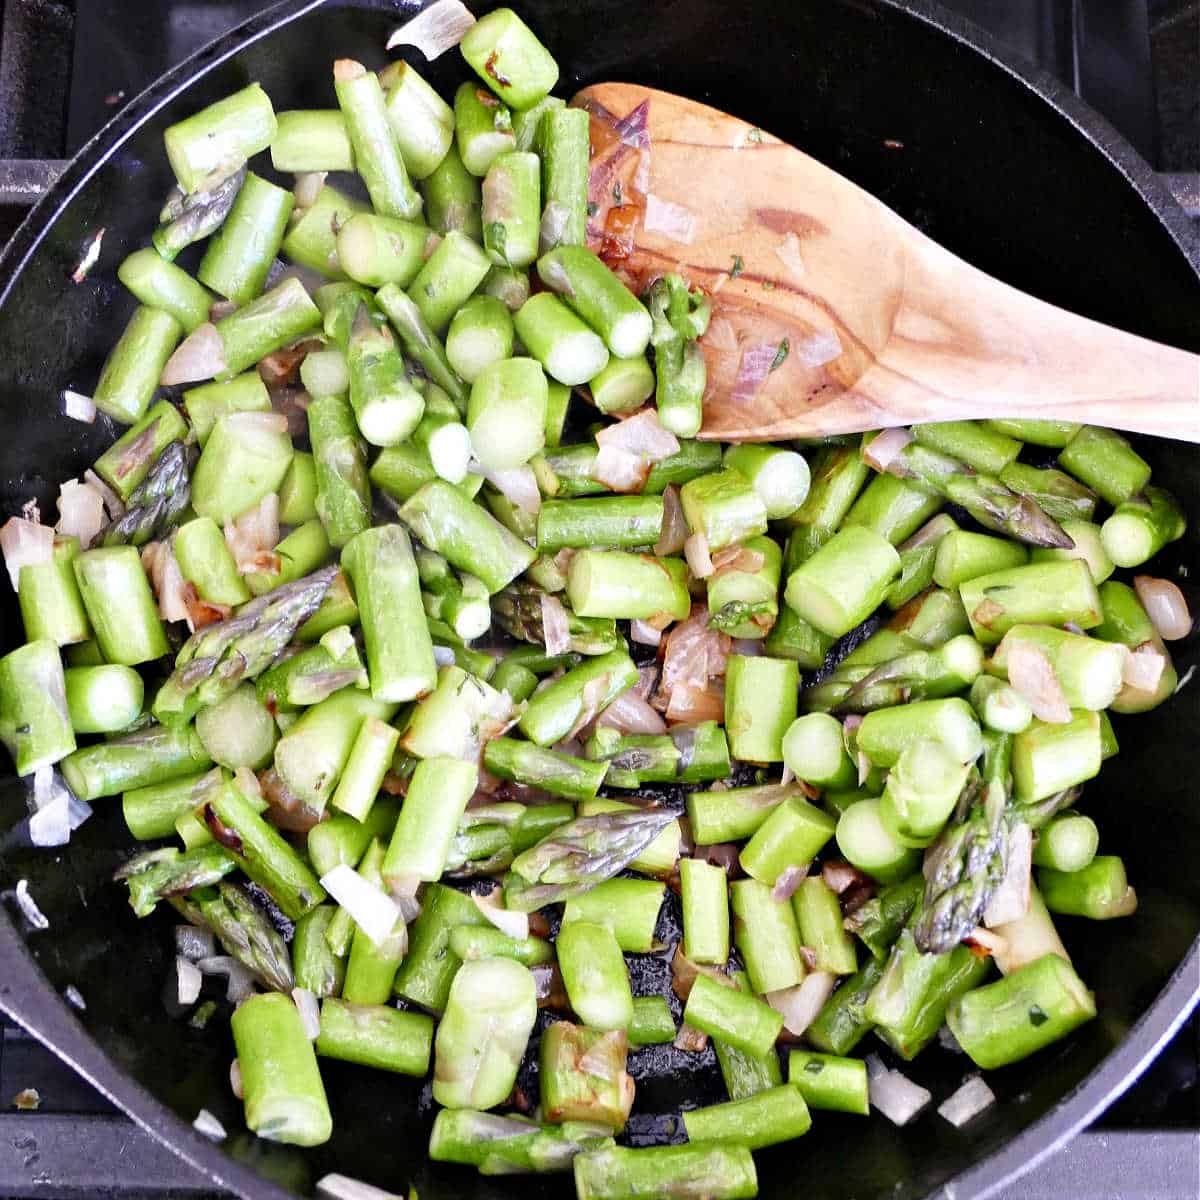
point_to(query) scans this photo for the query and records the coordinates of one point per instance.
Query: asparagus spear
(161, 874)
(243, 929)
(966, 864)
(216, 658)
(987, 499)
(518, 611)
(157, 502)
(581, 854)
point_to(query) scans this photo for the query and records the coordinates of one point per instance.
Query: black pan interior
(954, 143)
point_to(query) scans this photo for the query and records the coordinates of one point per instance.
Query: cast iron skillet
(996, 162)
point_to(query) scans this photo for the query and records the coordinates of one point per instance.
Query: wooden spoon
(830, 313)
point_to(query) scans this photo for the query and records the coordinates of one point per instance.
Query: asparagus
(193, 216)
(987, 499)
(156, 503)
(878, 922)
(652, 1023)
(482, 132)
(48, 594)
(562, 143)
(482, 1035)
(316, 968)
(506, 54)
(1018, 1015)
(284, 1097)
(511, 207)
(1055, 493)
(150, 812)
(1067, 843)
(506, 1145)
(687, 754)
(238, 259)
(480, 334)
(700, 1171)
(764, 1119)
(212, 144)
(35, 724)
(760, 705)
(448, 278)
(819, 920)
(618, 584)
(829, 1082)
(594, 974)
(736, 1017)
(311, 140)
(471, 944)
(243, 929)
(745, 602)
(425, 974)
(1141, 526)
(437, 797)
(375, 1036)
(893, 508)
(968, 861)
(963, 554)
(518, 611)
(160, 284)
(844, 581)
(581, 854)
(724, 507)
(207, 403)
(1107, 463)
(622, 387)
(922, 790)
(422, 122)
(705, 896)
(216, 658)
(1099, 890)
(1089, 546)
(628, 907)
(765, 933)
(153, 755)
(730, 814)
(558, 774)
(162, 874)
(841, 1025)
(238, 731)
(1034, 431)
(865, 840)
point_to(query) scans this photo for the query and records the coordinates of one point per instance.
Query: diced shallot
(799, 1005)
(168, 582)
(631, 713)
(252, 538)
(80, 512)
(433, 31)
(894, 1094)
(789, 880)
(643, 633)
(519, 486)
(882, 450)
(1030, 674)
(29, 908)
(310, 1012)
(308, 187)
(1010, 901)
(373, 910)
(555, 627)
(200, 356)
(690, 705)
(194, 943)
(514, 924)
(756, 364)
(641, 434)
(620, 469)
(1165, 606)
(79, 407)
(1143, 667)
(672, 220)
(184, 985)
(112, 502)
(25, 544)
(968, 1102)
(208, 1126)
(674, 527)
(699, 561)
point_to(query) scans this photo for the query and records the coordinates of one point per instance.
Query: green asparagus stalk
(153, 755)
(593, 971)
(698, 1171)
(216, 658)
(191, 217)
(581, 854)
(776, 1115)
(508, 1144)
(376, 1036)
(161, 874)
(35, 724)
(518, 611)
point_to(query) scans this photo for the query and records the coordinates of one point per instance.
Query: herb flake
(618, 194)
(780, 354)
(738, 266)
(1037, 1016)
(755, 136)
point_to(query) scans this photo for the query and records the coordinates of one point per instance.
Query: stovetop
(66, 66)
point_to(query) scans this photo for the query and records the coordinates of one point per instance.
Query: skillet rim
(27, 991)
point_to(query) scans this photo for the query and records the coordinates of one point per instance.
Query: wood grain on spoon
(830, 313)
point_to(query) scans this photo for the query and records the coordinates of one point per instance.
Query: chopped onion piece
(690, 1040)
(443, 656)
(984, 939)
(737, 558)
(748, 648)
(27, 1100)
(91, 256)
(29, 908)
(194, 943)
(200, 356)
(555, 629)
(80, 512)
(172, 590)
(1010, 901)
(208, 1126)
(788, 253)
(642, 633)
(1165, 606)
(620, 469)
(631, 713)
(514, 924)
(252, 538)
(239, 982)
(373, 910)
(1032, 676)
(672, 220)
(404, 892)
(342, 1187)
(948, 1041)
(187, 982)
(1143, 667)
(882, 450)
(823, 347)
(641, 434)
(787, 883)
(437, 29)
(695, 550)
(721, 336)
(58, 817)
(519, 486)
(968, 1102)
(674, 525)
(689, 705)
(895, 1095)
(235, 1079)
(79, 407)
(25, 544)
(800, 1005)
(310, 1012)
(840, 876)
(112, 502)
(74, 997)
(756, 364)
